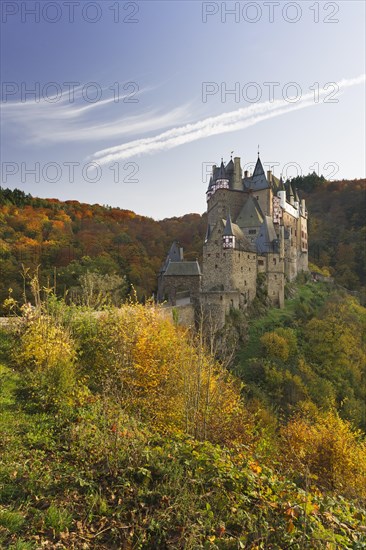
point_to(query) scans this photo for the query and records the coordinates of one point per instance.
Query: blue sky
(131, 101)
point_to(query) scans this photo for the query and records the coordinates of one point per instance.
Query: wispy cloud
(224, 123)
(71, 119)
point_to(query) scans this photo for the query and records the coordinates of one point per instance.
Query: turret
(229, 169)
(228, 237)
(219, 180)
(222, 181)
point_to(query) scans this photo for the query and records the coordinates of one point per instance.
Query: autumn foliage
(326, 451)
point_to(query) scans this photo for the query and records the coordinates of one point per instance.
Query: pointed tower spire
(228, 237)
(222, 180)
(291, 194)
(228, 231)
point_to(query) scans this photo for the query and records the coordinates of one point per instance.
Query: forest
(122, 429)
(68, 239)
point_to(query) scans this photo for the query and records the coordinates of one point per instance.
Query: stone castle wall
(174, 285)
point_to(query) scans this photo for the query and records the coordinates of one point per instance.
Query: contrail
(224, 123)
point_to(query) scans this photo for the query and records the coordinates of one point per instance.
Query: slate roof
(221, 174)
(228, 231)
(267, 240)
(173, 256)
(183, 269)
(250, 215)
(276, 184)
(258, 180)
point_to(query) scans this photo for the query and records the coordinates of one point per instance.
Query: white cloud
(69, 119)
(226, 122)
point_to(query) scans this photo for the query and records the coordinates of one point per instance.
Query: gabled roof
(250, 215)
(267, 240)
(182, 269)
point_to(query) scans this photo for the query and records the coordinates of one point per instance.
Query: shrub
(159, 372)
(46, 357)
(327, 449)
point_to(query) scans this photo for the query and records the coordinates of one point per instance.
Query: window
(274, 261)
(260, 262)
(252, 231)
(228, 241)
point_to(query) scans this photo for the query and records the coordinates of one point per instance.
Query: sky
(130, 103)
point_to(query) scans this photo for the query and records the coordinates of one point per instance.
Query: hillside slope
(75, 238)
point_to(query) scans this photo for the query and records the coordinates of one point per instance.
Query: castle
(256, 237)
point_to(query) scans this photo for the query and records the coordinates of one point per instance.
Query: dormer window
(228, 241)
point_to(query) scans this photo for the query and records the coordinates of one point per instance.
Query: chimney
(237, 184)
(246, 173)
(181, 254)
(269, 176)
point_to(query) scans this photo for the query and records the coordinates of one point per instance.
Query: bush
(157, 371)
(46, 358)
(326, 449)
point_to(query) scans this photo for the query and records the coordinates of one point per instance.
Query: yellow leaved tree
(160, 373)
